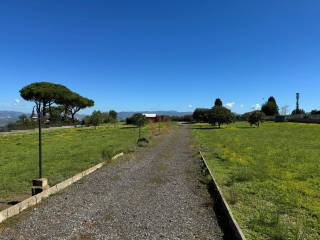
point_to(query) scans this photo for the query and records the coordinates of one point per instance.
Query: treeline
(270, 111)
(98, 117)
(219, 115)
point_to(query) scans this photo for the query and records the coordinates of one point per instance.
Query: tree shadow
(207, 128)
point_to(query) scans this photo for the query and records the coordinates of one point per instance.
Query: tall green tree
(113, 117)
(255, 118)
(220, 115)
(56, 114)
(44, 95)
(96, 118)
(73, 103)
(270, 108)
(218, 102)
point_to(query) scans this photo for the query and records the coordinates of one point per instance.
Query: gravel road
(153, 194)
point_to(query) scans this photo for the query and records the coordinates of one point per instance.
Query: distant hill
(8, 116)
(124, 115)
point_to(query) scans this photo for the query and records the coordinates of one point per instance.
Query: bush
(255, 118)
(137, 119)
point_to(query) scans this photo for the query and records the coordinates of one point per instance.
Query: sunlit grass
(65, 153)
(269, 175)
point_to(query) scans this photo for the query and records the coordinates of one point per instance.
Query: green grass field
(65, 153)
(270, 176)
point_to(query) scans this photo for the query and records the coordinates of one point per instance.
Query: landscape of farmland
(270, 176)
(176, 120)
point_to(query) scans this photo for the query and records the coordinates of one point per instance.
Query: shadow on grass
(207, 128)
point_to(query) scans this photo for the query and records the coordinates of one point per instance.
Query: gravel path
(155, 194)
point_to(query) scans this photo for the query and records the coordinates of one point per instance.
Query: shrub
(137, 119)
(255, 118)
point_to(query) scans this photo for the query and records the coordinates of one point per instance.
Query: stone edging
(224, 208)
(34, 200)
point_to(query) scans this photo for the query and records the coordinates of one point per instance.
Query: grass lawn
(270, 176)
(65, 153)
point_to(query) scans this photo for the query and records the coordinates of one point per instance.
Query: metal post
(139, 132)
(40, 145)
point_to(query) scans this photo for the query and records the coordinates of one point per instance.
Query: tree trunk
(50, 110)
(44, 104)
(73, 120)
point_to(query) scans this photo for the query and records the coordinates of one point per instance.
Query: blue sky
(163, 55)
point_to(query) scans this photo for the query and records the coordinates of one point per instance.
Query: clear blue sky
(163, 55)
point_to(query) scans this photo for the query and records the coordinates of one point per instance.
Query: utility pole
(297, 101)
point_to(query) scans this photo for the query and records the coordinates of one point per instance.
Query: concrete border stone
(224, 208)
(34, 200)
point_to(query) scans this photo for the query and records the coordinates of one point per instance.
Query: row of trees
(98, 117)
(219, 115)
